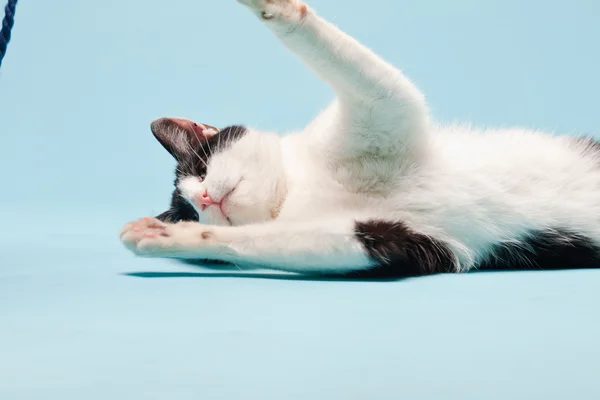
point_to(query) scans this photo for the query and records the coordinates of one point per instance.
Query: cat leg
(373, 95)
(332, 247)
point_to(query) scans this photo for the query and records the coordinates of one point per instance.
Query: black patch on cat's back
(397, 251)
(588, 144)
(550, 250)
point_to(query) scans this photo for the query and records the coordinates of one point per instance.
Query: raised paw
(292, 11)
(149, 237)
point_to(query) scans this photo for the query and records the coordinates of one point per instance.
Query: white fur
(373, 153)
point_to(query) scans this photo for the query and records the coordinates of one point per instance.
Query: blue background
(78, 88)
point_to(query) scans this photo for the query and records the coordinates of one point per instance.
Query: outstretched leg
(373, 95)
(333, 247)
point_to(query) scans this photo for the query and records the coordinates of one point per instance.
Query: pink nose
(205, 199)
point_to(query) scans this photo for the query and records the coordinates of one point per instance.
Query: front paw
(293, 11)
(140, 237)
(149, 237)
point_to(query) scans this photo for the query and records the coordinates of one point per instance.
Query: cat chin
(212, 216)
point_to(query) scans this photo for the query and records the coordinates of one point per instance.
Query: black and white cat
(372, 187)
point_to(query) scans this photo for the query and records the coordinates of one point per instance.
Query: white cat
(372, 187)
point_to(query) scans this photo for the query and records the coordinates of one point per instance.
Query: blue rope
(7, 24)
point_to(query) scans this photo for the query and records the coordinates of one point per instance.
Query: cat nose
(204, 199)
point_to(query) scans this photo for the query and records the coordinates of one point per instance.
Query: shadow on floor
(251, 275)
(231, 271)
(226, 270)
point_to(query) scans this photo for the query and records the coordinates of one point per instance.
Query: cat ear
(179, 136)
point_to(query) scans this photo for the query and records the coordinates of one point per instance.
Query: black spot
(549, 250)
(588, 144)
(180, 210)
(399, 252)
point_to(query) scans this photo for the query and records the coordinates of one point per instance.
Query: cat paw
(133, 233)
(293, 11)
(149, 237)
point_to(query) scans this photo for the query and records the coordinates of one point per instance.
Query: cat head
(230, 176)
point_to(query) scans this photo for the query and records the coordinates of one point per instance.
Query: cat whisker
(208, 144)
(196, 153)
(237, 266)
(202, 147)
(205, 154)
(219, 141)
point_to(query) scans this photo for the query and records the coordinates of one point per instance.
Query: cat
(373, 187)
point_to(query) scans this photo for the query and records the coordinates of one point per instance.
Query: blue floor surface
(83, 319)
(80, 318)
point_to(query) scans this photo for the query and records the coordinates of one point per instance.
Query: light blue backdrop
(78, 88)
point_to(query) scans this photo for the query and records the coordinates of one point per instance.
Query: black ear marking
(178, 142)
(181, 137)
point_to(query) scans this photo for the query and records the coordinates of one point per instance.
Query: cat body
(372, 187)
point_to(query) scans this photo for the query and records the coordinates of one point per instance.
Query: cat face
(232, 176)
